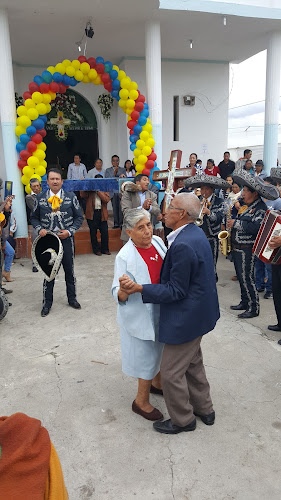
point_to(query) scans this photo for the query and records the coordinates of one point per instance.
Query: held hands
(128, 286)
(147, 204)
(275, 242)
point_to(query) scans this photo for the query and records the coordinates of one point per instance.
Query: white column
(153, 83)
(8, 124)
(105, 142)
(273, 68)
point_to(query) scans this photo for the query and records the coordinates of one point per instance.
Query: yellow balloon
(139, 168)
(37, 97)
(147, 127)
(25, 180)
(86, 79)
(66, 62)
(97, 81)
(70, 70)
(21, 111)
(146, 150)
(121, 74)
(124, 94)
(46, 98)
(48, 107)
(51, 69)
(85, 68)
(33, 113)
(92, 74)
(130, 103)
(144, 135)
(128, 111)
(29, 104)
(36, 176)
(75, 64)
(40, 170)
(33, 162)
(135, 160)
(150, 142)
(24, 121)
(137, 152)
(78, 75)
(42, 146)
(142, 159)
(27, 189)
(19, 130)
(28, 171)
(53, 95)
(133, 94)
(125, 83)
(41, 108)
(39, 154)
(115, 67)
(134, 86)
(44, 163)
(122, 103)
(140, 144)
(60, 68)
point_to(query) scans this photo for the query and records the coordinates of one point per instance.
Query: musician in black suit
(58, 211)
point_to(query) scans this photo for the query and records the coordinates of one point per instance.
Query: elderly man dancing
(187, 281)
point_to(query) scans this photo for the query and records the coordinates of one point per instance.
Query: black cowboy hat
(200, 180)
(47, 253)
(243, 178)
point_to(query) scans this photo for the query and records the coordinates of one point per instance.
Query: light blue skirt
(140, 358)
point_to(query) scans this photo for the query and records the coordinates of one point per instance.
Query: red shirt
(153, 261)
(213, 172)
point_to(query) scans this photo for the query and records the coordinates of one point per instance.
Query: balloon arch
(32, 115)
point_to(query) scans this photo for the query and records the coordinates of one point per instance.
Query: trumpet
(199, 220)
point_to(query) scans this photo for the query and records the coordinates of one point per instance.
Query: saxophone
(225, 236)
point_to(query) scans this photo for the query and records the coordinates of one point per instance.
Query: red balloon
(141, 98)
(37, 138)
(135, 115)
(131, 124)
(54, 87)
(146, 171)
(100, 68)
(44, 88)
(82, 59)
(42, 132)
(62, 88)
(24, 154)
(152, 156)
(105, 78)
(150, 164)
(33, 87)
(108, 86)
(31, 146)
(139, 106)
(21, 164)
(26, 95)
(92, 62)
(131, 132)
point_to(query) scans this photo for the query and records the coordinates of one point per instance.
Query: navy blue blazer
(187, 292)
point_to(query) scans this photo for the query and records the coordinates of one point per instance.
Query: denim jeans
(263, 271)
(9, 256)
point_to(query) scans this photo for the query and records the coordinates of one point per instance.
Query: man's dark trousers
(117, 211)
(68, 266)
(276, 289)
(94, 225)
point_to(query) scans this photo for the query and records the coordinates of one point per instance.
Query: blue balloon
(38, 124)
(73, 81)
(38, 79)
(43, 118)
(66, 80)
(145, 112)
(115, 93)
(142, 120)
(155, 166)
(99, 60)
(145, 105)
(118, 98)
(113, 74)
(109, 64)
(24, 138)
(133, 147)
(57, 77)
(20, 147)
(44, 177)
(137, 129)
(116, 84)
(47, 76)
(134, 138)
(31, 131)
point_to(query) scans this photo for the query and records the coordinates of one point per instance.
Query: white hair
(134, 215)
(191, 203)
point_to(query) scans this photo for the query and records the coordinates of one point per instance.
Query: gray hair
(134, 215)
(33, 180)
(191, 203)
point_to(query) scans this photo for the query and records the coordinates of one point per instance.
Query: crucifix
(172, 176)
(60, 121)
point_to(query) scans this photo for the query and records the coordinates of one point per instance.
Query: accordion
(271, 226)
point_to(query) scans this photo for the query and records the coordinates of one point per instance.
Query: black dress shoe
(6, 291)
(167, 427)
(240, 307)
(247, 315)
(274, 328)
(45, 311)
(155, 390)
(75, 304)
(207, 419)
(279, 342)
(260, 290)
(268, 295)
(98, 253)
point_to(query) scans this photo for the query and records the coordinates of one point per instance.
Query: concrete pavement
(65, 369)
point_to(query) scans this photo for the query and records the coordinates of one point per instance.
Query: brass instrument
(225, 236)
(199, 220)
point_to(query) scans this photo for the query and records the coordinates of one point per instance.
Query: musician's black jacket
(247, 224)
(212, 223)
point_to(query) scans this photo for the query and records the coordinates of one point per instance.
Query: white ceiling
(45, 32)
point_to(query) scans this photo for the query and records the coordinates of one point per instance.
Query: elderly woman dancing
(141, 259)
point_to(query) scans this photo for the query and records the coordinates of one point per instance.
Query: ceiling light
(224, 20)
(191, 43)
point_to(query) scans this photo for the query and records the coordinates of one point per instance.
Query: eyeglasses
(115, 161)
(170, 207)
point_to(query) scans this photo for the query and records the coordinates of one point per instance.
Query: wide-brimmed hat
(275, 174)
(206, 180)
(47, 253)
(243, 178)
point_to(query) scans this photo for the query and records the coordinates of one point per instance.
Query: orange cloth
(55, 487)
